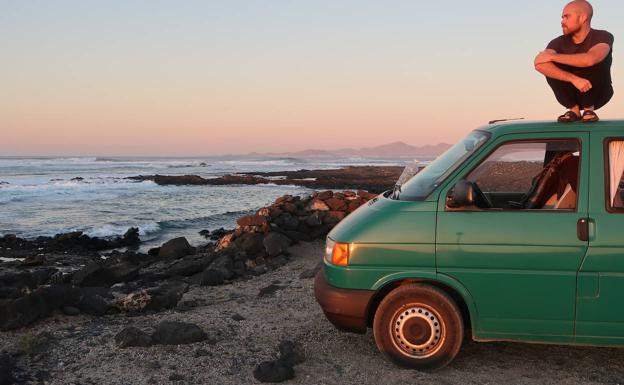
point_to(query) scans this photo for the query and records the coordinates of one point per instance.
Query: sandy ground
(82, 349)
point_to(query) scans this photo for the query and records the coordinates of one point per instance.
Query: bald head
(581, 8)
(576, 18)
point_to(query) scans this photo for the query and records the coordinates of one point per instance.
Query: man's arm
(550, 70)
(594, 56)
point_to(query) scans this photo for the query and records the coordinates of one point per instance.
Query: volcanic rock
(252, 220)
(250, 243)
(273, 371)
(132, 336)
(211, 277)
(100, 274)
(314, 219)
(324, 195)
(336, 204)
(223, 264)
(167, 295)
(19, 312)
(6, 369)
(333, 217)
(189, 266)
(318, 205)
(276, 243)
(131, 237)
(287, 221)
(93, 302)
(176, 248)
(178, 333)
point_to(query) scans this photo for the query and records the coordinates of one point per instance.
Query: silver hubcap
(417, 331)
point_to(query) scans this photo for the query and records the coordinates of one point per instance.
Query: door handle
(582, 229)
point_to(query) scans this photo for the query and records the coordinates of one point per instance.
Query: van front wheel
(418, 326)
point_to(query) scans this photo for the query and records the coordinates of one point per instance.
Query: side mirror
(463, 195)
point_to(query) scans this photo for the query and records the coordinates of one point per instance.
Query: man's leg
(567, 95)
(601, 91)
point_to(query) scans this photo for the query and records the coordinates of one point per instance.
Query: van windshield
(422, 184)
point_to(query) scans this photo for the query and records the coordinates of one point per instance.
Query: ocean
(45, 196)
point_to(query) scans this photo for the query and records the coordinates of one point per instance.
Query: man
(577, 65)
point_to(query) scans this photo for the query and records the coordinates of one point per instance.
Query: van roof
(508, 127)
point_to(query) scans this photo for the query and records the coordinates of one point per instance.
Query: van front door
(517, 249)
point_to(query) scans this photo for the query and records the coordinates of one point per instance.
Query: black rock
(167, 295)
(178, 333)
(19, 312)
(6, 369)
(250, 243)
(275, 243)
(205, 233)
(153, 251)
(224, 264)
(287, 222)
(132, 336)
(219, 233)
(186, 266)
(102, 274)
(34, 260)
(291, 352)
(315, 219)
(271, 289)
(93, 303)
(131, 237)
(273, 371)
(70, 310)
(7, 292)
(238, 317)
(31, 280)
(211, 277)
(176, 248)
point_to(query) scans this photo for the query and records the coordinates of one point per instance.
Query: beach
(246, 328)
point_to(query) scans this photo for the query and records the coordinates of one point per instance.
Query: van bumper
(345, 308)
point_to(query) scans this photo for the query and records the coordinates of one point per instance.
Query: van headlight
(336, 253)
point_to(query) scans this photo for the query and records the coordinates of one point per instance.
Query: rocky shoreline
(374, 179)
(66, 274)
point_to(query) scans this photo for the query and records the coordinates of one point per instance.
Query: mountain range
(390, 150)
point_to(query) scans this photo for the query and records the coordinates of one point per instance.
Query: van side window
(529, 175)
(615, 165)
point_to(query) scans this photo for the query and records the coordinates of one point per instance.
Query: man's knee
(566, 94)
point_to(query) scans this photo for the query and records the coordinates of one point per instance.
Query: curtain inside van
(616, 166)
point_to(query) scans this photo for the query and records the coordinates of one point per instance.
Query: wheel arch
(450, 286)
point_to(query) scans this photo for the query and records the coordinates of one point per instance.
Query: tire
(418, 326)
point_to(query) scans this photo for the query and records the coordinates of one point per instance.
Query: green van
(515, 233)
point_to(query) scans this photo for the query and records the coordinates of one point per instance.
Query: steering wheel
(481, 200)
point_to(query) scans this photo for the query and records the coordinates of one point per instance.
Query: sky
(214, 77)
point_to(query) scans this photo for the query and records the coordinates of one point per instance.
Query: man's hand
(543, 57)
(581, 84)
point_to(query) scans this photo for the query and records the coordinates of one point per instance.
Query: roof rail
(503, 120)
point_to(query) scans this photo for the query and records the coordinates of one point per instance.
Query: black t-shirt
(564, 45)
